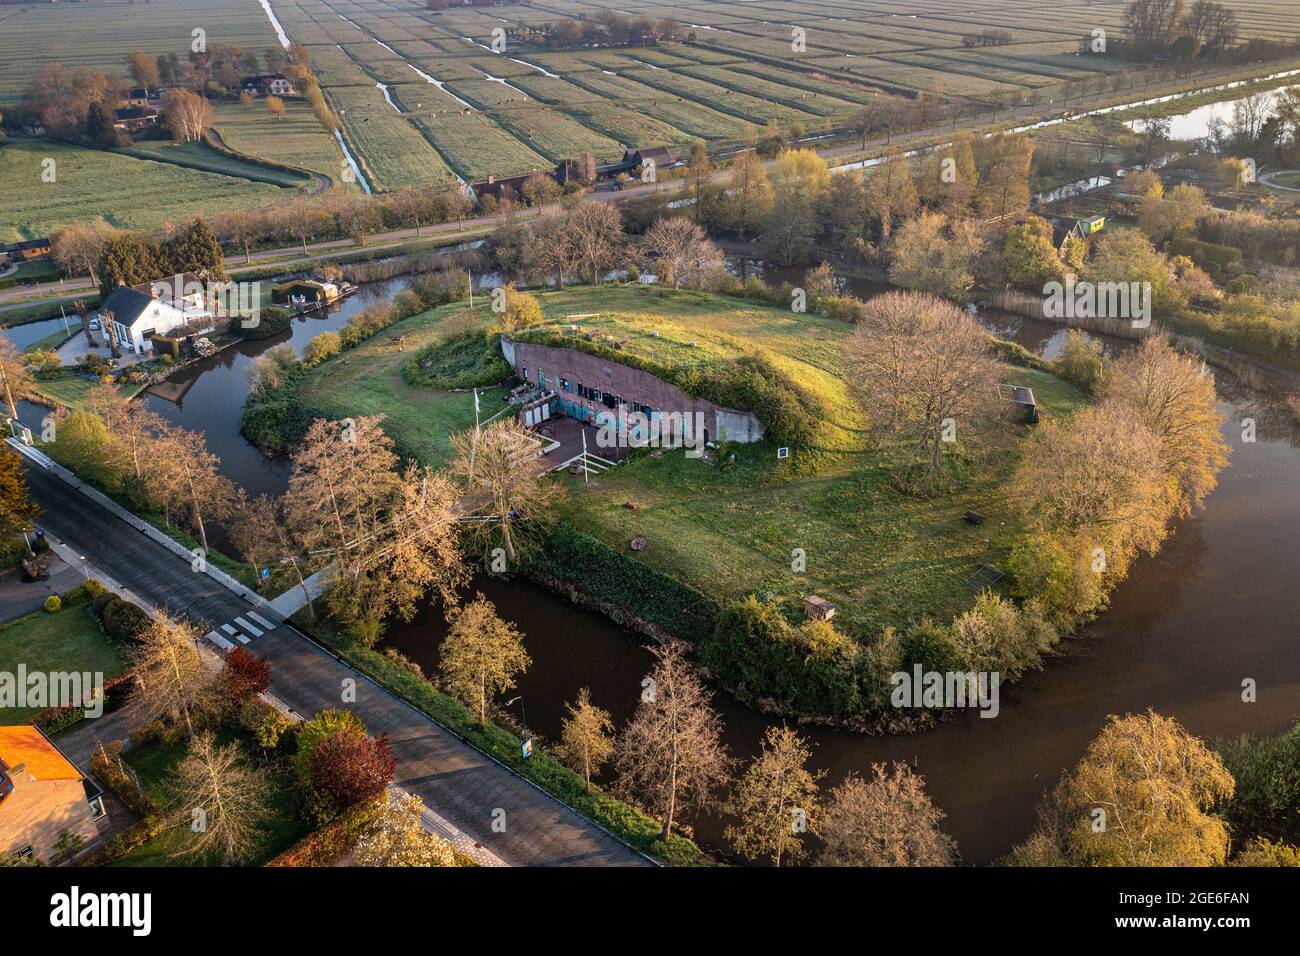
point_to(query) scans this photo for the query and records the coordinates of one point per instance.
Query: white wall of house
(157, 317)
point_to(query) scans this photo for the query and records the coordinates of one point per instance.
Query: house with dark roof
(43, 796)
(157, 308)
(636, 158)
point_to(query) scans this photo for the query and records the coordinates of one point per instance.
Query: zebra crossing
(242, 630)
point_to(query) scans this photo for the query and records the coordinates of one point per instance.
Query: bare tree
(300, 219)
(172, 680)
(594, 229)
(503, 480)
(775, 801)
(682, 253)
(197, 477)
(587, 737)
(670, 757)
(550, 249)
(887, 822)
(186, 115)
(76, 249)
(924, 371)
(482, 654)
(222, 801)
(391, 536)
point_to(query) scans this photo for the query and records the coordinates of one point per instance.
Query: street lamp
(84, 573)
(522, 712)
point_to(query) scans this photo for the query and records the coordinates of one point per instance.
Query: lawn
(368, 380)
(155, 762)
(66, 392)
(70, 640)
(729, 529)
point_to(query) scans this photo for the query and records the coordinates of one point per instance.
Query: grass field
(98, 34)
(124, 191)
(202, 157)
(454, 107)
(69, 640)
(297, 140)
(729, 529)
(735, 68)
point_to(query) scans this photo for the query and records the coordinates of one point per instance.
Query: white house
(157, 308)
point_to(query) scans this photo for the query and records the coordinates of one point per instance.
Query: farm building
(135, 118)
(573, 384)
(268, 84)
(582, 170)
(26, 251)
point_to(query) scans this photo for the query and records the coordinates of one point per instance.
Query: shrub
(812, 668)
(324, 346)
(53, 604)
(245, 676)
(123, 621)
(611, 577)
(1267, 772)
(270, 321)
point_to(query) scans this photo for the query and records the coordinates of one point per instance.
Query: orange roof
(27, 745)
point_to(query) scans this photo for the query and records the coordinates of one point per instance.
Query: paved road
(465, 787)
(19, 597)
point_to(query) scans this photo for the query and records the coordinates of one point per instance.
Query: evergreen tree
(17, 510)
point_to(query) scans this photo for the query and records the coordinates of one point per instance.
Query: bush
(1219, 261)
(270, 321)
(88, 590)
(273, 418)
(1267, 771)
(53, 604)
(123, 621)
(324, 346)
(811, 668)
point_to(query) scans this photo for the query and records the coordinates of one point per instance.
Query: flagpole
(584, 456)
(474, 444)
